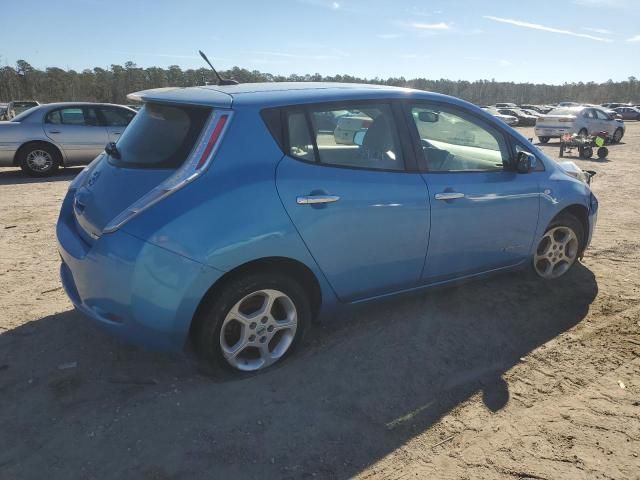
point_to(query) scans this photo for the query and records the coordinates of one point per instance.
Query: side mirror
(525, 162)
(358, 137)
(429, 117)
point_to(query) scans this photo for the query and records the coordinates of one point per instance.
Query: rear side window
(116, 117)
(351, 136)
(161, 136)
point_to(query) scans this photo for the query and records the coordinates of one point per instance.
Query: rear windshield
(161, 136)
(22, 116)
(564, 111)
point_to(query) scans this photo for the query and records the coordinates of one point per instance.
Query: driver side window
(455, 142)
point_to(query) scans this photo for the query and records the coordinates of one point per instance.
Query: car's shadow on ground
(11, 176)
(359, 388)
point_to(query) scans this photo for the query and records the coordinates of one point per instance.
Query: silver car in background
(60, 134)
(581, 120)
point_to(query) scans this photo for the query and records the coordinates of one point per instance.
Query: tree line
(24, 82)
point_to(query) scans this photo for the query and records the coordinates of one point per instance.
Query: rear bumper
(552, 132)
(137, 291)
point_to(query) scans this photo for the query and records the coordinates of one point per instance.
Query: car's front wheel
(559, 248)
(617, 135)
(38, 160)
(252, 323)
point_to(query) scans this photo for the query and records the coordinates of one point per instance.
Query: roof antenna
(221, 81)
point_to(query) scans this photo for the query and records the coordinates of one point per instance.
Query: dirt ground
(505, 378)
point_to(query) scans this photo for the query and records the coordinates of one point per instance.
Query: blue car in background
(229, 216)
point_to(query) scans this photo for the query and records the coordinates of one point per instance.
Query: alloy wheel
(556, 252)
(39, 160)
(258, 330)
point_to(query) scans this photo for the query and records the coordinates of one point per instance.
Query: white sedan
(581, 120)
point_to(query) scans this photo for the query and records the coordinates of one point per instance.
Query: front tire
(559, 248)
(252, 323)
(38, 160)
(617, 136)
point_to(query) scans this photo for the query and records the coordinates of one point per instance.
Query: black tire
(543, 139)
(587, 152)
(23, 155)
(602, 152)
(570, 221)
(213, 313)
(619, 132)
(583, 132)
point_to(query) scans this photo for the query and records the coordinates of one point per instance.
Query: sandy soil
(506, 378)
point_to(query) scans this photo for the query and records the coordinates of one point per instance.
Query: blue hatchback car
(231, 216)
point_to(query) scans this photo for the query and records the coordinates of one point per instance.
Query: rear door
(358, 203)
(483, 214)
(116, 120)
(78, 131)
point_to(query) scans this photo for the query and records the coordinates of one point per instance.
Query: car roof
(278, 93)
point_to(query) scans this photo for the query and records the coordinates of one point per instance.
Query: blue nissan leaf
(231, 216)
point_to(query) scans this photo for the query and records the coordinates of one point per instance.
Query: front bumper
(137, 291)
(593, 219)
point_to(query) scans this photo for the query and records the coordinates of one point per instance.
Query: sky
(541, 41)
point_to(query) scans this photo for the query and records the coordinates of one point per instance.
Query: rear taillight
(366, 123)
(213, 140)
(197, 163)
(566, 119)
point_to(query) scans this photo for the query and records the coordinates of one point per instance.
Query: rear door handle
(449, 195)
(54, 131)
(315, 199)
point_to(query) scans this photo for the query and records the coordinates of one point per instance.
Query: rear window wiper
(112, 150)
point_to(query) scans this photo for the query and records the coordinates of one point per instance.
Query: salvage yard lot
(506, 378)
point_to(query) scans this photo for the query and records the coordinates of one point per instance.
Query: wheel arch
(298, 270)
(581, 213)
(25, 145)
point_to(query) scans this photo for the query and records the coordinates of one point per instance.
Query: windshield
(160, 136)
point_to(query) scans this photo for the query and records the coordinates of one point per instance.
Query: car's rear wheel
(38, 160)
(617, 135)
(559, 248)
(583, 132)
(543, 139)
(252, 323)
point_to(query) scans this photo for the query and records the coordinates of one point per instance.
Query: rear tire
(240, 318)
(543, 139)
(559, 248)
(39, 159)
(583, 132)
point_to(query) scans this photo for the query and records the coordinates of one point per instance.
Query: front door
(483, 214)
(363, 216)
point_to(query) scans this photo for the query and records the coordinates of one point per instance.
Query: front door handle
(315, 199)
(54, 131)
(449, 195)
